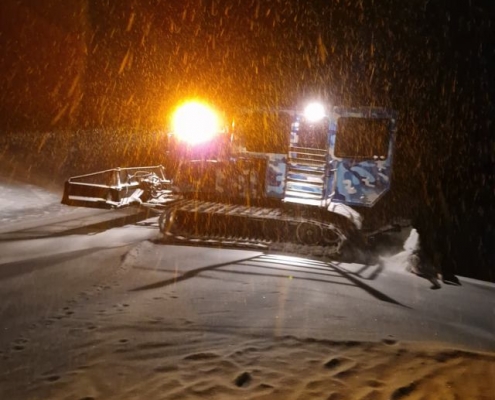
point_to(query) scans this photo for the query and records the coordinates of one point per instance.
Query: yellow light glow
(195, 122)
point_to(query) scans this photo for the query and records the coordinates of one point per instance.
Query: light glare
(195, 122)
(314, 112)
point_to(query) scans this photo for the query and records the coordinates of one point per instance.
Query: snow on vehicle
(214, 189)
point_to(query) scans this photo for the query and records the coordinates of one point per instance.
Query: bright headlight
(314, 112)
(195, 122)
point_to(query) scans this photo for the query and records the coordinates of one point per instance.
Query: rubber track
(250, 241)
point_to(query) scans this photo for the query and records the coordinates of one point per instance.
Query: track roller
(308, 233)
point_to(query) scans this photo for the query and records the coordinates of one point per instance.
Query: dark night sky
(125, 62)
(89, 63)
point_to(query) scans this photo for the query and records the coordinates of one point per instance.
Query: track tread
(254, 240)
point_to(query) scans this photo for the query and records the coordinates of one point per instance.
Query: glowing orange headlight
(195, 122)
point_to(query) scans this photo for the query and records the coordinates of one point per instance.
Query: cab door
(361, 152)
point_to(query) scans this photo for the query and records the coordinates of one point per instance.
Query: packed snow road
(240, 290)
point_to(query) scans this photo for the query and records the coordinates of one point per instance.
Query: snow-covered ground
(20, 201)
(121, 315)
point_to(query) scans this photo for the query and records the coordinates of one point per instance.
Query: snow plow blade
(118, 187)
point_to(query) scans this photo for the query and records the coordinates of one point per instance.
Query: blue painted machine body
(346, 157)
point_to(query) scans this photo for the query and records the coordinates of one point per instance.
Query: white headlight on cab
(314, 112)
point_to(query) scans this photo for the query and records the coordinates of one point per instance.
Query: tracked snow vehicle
(215, 188)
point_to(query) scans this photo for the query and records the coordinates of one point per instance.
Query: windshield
(362, 138)
(265, 132)
(242, 258)
(313, 136)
